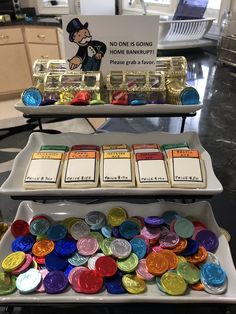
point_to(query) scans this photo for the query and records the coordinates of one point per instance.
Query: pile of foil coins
(115, 252)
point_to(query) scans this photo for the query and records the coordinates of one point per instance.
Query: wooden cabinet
(42, 42)
(43, 52)
(20, 46)
(15, 71)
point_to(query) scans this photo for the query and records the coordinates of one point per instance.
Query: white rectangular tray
(108, 109)
(14, 184)
(59, 211)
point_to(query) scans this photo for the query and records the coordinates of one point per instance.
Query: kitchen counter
(36, 21)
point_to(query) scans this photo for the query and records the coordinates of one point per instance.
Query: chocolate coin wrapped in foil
(121, 248)
(55, 282)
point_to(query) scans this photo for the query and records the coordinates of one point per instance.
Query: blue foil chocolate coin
(192, 248)
(106, 231)
(65, 247)
(68, 269)
(114, 284)
(23, 243)
(32, 97)
(139, 247)
(213, 274)
(55, 282)
(56, 232)
(55, 262)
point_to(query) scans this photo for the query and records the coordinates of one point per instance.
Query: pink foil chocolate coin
(44, 273)
(87, 246)
(169, 241)
(75, 270)
(23, 268)
(151, 234)
(142, 271)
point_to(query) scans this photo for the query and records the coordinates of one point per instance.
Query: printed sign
(106, 43)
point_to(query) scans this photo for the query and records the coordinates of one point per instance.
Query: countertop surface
(36, 21)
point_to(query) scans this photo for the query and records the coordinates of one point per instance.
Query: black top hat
(74, 26)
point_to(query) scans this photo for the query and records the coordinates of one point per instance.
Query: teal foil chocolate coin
(169, 216)
(189, 96)
(184, 228)
(32, 97)
(56, 232)
(77, 259)
(129, 229)
(39, 226)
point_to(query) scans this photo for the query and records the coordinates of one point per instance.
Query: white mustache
(86, 40)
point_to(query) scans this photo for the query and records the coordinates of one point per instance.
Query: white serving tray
(108, 109)
(14, 184)
(59, 211)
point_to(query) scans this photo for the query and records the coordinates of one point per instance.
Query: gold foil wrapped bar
(136, 87)
(178, 91)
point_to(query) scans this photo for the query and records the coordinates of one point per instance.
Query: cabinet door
(37, 51)
(15, 72)
(41, 35)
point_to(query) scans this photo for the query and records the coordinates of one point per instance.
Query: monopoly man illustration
(90, 52)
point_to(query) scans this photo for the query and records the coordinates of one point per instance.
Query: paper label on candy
(81, 167)
(187, 169)
(184, 154)
(149, 156)
(152, 171)
(48, 155)
(85, 147)
(119, 147)
(56, 148)
(117, 155)
(44, 167)
(181, 146)
(140, 148)
(82, 155)
(117, 167)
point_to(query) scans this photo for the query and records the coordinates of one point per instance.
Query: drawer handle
(3, 36)
(44, 57)
(41, 36)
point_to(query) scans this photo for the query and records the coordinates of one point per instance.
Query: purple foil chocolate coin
(115, 232)
(169, 241)
(208, 239)
(55, 282)
(153, 221)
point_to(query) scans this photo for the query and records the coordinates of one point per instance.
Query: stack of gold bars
(53, 84)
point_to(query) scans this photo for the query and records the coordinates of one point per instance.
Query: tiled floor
(7, 109)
